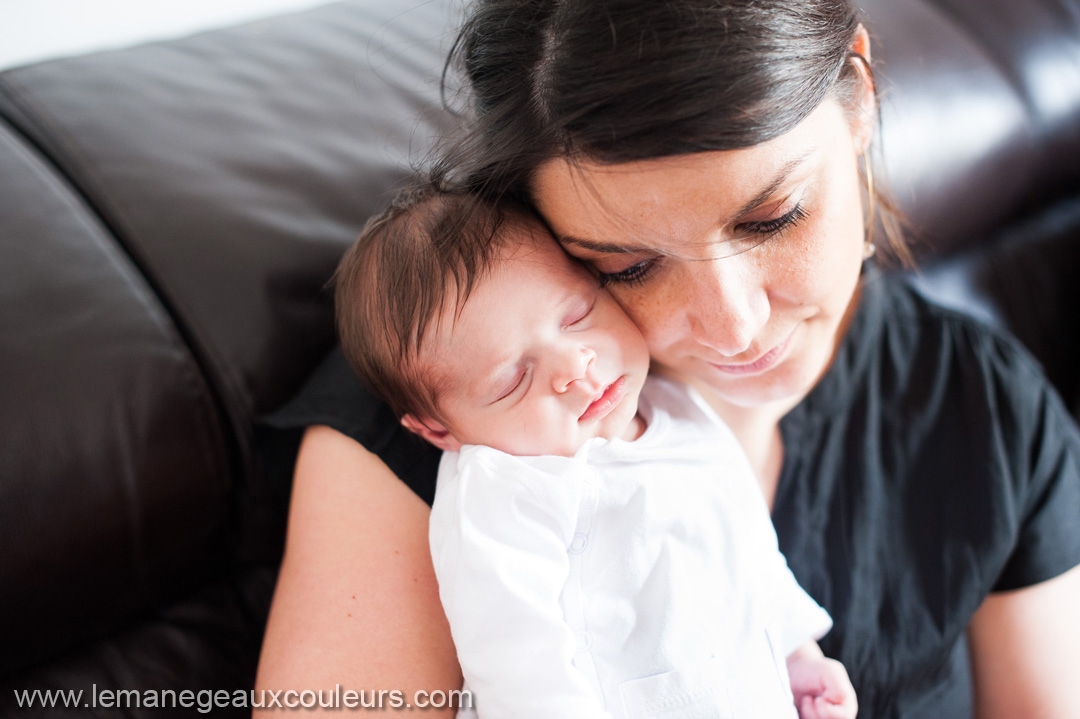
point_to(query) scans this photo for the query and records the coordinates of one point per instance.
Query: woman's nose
(571, 364)
(727, 305)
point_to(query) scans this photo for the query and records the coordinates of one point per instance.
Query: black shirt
(931, 465)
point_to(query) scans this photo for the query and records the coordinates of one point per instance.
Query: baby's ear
(432, 431)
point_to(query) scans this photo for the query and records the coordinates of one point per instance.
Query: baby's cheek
(532, 423)
(541, 429)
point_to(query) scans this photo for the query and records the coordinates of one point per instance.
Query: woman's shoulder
(926, 375)
(940, 464)
(917, 333)
(956, 388)
(906, 304)
(334, 397)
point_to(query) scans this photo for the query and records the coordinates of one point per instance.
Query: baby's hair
(427, 249)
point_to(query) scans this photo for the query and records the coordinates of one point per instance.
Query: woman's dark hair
(615, 81)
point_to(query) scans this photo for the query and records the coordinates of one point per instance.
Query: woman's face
(756, 326)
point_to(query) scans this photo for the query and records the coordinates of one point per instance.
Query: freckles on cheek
(651, 310)
(786, 265)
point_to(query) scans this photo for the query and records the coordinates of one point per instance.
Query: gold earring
(869, 248)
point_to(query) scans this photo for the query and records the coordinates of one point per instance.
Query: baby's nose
(572, 366)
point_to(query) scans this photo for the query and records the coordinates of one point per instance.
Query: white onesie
(634, 579)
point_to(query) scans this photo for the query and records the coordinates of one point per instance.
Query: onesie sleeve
(796, 614)
(800, 617)
(499, 532)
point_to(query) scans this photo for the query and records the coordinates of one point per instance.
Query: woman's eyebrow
(606, 248)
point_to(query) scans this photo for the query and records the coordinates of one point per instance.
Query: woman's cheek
(829, 261)
(654, 310)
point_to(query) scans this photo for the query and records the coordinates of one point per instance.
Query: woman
(704, 159)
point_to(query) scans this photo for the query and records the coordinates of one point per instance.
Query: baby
(601, 546)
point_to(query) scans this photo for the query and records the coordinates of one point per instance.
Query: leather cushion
(114, 477)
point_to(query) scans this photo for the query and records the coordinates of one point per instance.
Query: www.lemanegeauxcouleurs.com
(206, 700)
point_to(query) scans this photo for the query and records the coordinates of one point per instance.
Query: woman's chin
(789, 381)
(759, 396)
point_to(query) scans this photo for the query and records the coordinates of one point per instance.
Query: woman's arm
(356, 602)
(1025, 651)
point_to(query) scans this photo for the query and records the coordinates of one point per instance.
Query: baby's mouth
(605, 401)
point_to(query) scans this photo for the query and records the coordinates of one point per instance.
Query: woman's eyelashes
(759, 231)
(632, 276)
(777, 225)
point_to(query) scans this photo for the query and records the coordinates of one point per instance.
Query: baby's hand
(820, 685)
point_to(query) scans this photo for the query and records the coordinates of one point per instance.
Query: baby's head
(476, 328)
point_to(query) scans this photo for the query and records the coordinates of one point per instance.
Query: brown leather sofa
(169, 215)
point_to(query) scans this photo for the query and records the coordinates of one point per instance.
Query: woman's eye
(777, 225)
(631, 276)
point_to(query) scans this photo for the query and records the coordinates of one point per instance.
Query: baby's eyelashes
(511, 387)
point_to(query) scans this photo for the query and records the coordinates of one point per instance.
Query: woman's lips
(606, 401)
(761, 364)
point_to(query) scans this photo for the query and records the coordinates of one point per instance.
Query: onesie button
(583, 641)
(577, 544)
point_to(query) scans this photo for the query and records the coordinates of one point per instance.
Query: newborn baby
(601, 545)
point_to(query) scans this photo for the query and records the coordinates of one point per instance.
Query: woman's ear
(860, 44)
(865, 101)
(432, 431)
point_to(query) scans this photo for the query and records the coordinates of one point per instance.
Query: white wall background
(33, 30)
